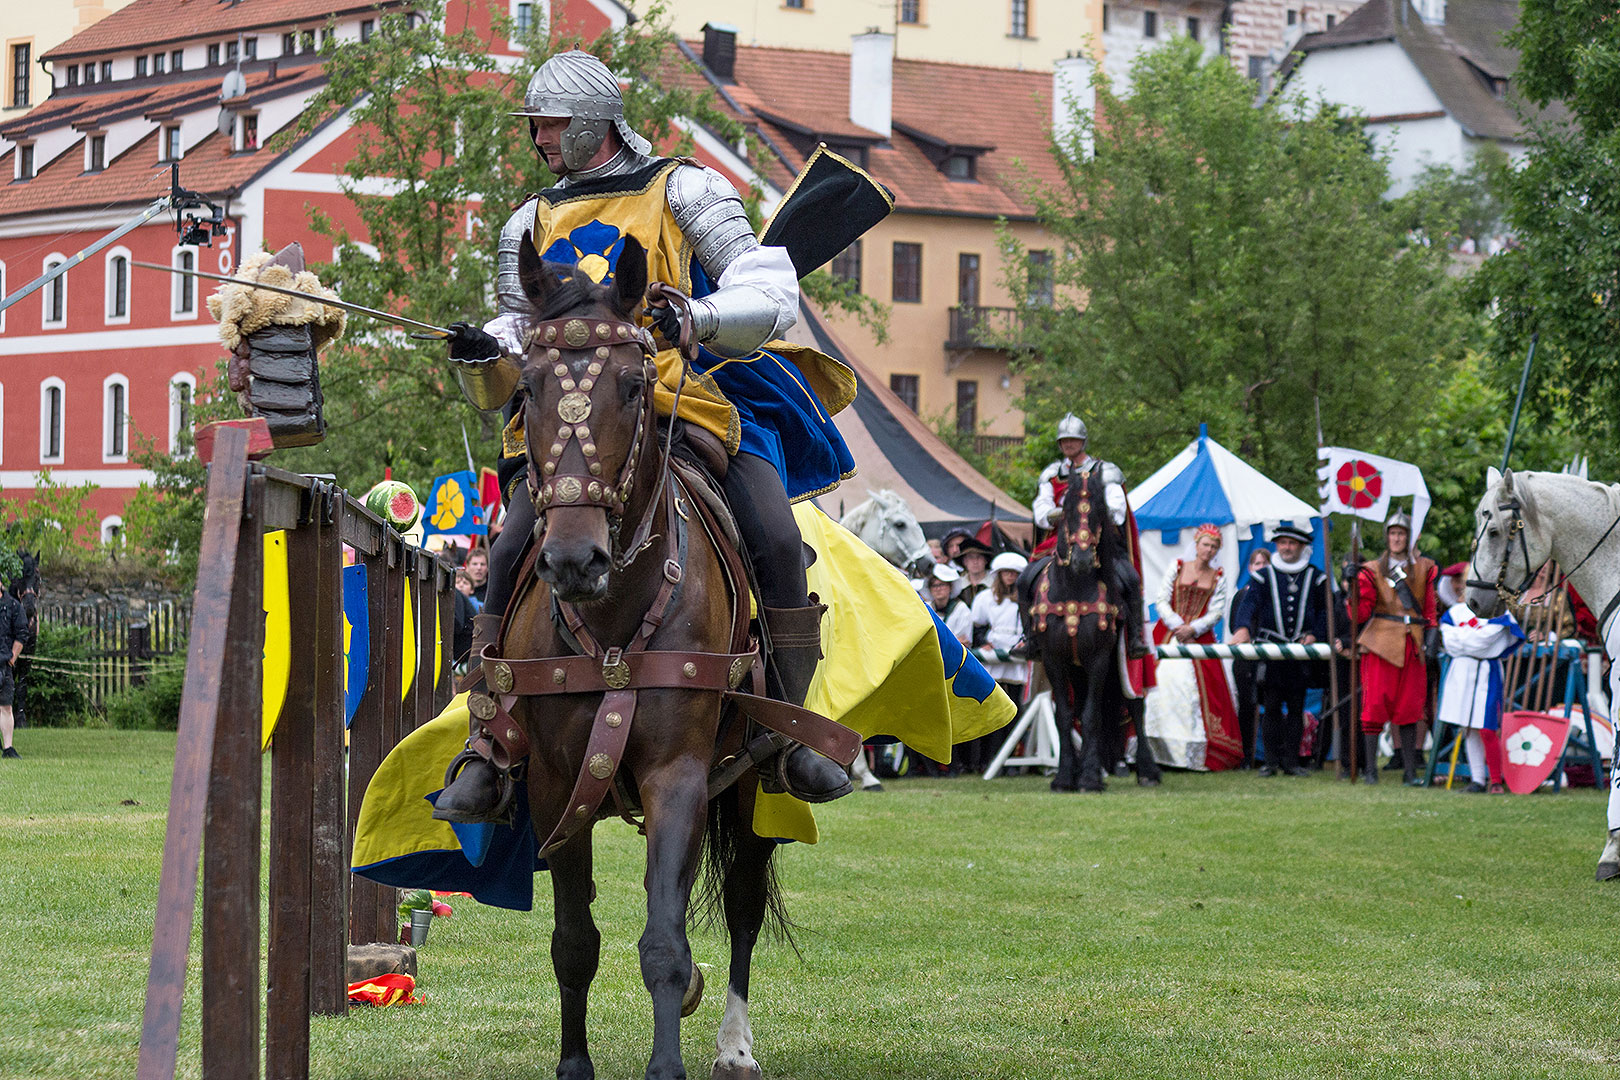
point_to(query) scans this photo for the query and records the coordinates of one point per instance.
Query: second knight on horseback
(1055, 479)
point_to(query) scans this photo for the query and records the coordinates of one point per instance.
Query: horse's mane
(858, 518)
(1527, 495)
(575, 291)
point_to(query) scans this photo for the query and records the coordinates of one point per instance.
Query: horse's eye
(630, 390)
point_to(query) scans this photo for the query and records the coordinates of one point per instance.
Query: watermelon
(395, 503)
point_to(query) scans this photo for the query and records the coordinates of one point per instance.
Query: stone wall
(1260, 28)
(132, 589)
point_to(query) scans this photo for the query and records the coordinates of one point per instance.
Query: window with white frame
(115, 419)
(247, 132)
(54, 295)
(95, 153)
(183, 290)
(118, 285)
(52, 420)
(112, 531)
(182, 394)
(169, 144)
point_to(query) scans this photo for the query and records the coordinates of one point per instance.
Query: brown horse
(1073, 624)
(625, 576)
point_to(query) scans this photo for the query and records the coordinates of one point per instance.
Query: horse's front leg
(1060, 676)
(675, 798)
(576, 947)
(746, 893)
(1091, 733)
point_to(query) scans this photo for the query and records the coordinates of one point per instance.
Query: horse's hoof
(694, 992)
(873, 787)
(1608, 871)
(1122, 769)
(1147, 781)
(1093, 789)
(1064, 786)
(735, 1072)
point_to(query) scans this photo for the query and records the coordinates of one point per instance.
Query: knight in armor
(1290, 609)
(1393, 602)
(1054, 481)
(779, 442)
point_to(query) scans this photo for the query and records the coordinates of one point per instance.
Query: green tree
(1562, 279)
(1229, 263)
(1449, 205)
(1463, 432)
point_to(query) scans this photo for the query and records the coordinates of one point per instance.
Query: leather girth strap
(619, 673)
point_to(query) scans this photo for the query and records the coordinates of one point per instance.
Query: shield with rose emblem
(1532, 744)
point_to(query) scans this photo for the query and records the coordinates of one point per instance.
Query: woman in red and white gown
(1190, 719)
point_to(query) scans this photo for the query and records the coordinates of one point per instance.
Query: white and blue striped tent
(1206, 482)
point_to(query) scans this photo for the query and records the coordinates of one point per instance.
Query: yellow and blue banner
(454, 507)
(356, 639)
(891, 669)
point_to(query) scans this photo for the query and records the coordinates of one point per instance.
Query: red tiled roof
(155, 22)
(135, 176)
(946, 104)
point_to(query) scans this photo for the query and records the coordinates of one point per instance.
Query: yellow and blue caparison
(777, 403)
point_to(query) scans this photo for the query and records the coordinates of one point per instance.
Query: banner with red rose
(1354, 482)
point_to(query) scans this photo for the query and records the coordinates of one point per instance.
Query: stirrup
(773, 778)
(505, 789)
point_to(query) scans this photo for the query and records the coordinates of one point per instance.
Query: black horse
(1073, 624)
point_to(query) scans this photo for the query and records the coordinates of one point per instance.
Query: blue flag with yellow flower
(453, 506)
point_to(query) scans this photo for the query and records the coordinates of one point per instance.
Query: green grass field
(1218, 926)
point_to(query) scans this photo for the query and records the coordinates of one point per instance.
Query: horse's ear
(1493, 477)
(535, 275)
(1507, 481)
(630, 278)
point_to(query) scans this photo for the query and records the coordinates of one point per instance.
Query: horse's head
(588, 422)
(900, 538)
(1080, 526)
(1510, 545)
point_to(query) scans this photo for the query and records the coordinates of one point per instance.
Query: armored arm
(1046, 507)
(1114, 491)
(489, 375)
(757, 293)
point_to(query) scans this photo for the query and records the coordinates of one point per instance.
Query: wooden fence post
(225, 540)
(329, 866)
(230, 955)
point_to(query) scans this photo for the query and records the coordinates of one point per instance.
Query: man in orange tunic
(1393, 604)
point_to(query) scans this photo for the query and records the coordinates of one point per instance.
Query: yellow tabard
(588, 231)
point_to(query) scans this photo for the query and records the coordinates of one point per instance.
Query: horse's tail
(721, 849)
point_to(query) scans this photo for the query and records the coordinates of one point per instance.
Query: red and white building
(109, 355)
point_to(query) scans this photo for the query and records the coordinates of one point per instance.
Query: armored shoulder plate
(710, 214)
(509, 295)
(1111, 474)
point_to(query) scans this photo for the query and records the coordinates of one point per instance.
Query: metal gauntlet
(488, 384)
(734, 321)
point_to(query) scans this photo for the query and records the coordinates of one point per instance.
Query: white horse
(886, 524)
(1523, 520)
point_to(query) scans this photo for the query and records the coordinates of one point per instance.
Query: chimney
(720, 50)
(1072, 91)
(871, 81)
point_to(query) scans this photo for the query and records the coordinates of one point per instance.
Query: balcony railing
(984, 328)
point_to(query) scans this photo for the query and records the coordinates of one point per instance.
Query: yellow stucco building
(30, 30)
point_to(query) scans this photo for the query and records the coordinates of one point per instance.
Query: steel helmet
(1071, 427)
(1399, 519)
(576, 84)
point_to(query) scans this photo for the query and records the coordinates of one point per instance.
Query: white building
(1131, 28)
(1434, 80)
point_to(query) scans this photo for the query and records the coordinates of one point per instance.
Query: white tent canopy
(1206, 482)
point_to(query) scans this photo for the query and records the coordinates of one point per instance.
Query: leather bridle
(1515, 529)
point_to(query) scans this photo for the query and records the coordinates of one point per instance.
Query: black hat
(831, 203)
(973, 543)
(1292, 531)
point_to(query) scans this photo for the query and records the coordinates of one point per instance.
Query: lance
(426, 331)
